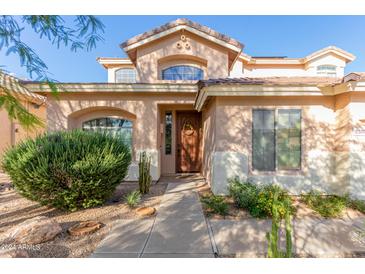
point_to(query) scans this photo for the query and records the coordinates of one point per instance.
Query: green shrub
(326, 205)
(265, 200)
(258, 200)
(244, 194)
(216, 204)
(145, 178)
(357, 205)
(68, 170)
(133, 198)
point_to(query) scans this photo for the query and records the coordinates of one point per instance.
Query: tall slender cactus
(288, 229)
(273, 236)
(145, 177)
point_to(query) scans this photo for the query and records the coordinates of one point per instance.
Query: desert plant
(133, 198)
(145, 177)
(244, 194)
(356, 204)
(273, 236)
(215, 204)
(265, 200)
(327, 206)
(288, 228)
(68, 170)
(258, 200)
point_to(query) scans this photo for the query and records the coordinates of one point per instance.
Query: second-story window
(327, 70)
(182, 72)
(125, 75)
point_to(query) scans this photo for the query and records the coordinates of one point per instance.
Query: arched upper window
(182, 72)
(125, 75)
(115, 126)
(327, 70)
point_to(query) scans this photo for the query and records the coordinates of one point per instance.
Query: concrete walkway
(312, 237)
(178, 230)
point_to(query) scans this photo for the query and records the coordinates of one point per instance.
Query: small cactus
(145, 178)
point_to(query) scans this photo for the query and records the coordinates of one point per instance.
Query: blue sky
(292, 36)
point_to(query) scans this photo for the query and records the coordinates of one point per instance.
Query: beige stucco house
(194, 100)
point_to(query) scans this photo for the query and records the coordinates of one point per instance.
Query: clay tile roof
(354, 76)
(181, 22)
(270, 81)
(13, 84)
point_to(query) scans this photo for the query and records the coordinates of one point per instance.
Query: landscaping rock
(84, 228)
(36, 230)
(13, 253)
(145, 211)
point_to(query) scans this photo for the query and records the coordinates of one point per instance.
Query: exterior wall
(6, 133)
(151, 56)
(353, 148)
(233, 143)
(12, 132)
(70, 110)
(209, 137)
(328, 59)
(275, 70)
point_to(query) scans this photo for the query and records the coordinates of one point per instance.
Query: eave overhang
(43, 88)
(108, 62)
(257, 90)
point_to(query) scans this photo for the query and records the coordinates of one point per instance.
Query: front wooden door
(188, 135)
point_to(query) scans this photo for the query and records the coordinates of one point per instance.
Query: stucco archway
(75, 119)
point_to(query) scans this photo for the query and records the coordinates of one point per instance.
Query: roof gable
(182, 24)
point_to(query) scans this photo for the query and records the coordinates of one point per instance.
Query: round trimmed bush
(68, 170)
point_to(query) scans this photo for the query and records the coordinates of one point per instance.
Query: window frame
(125, 69)
(327, 71)
(131, 128)
(198, 68)
(276, 169)
(252, 138)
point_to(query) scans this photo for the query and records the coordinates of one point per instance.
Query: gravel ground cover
(15, 209)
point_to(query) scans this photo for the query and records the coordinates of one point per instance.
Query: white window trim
(329, 70)
(128, 76)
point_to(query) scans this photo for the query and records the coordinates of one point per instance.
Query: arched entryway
(114, 120)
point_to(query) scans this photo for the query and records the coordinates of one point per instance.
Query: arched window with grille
(114, 126)
(125, 75)
(182, 72)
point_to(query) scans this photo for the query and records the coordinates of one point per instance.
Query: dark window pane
(263, 140)
(288, 139)
(168, 133)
